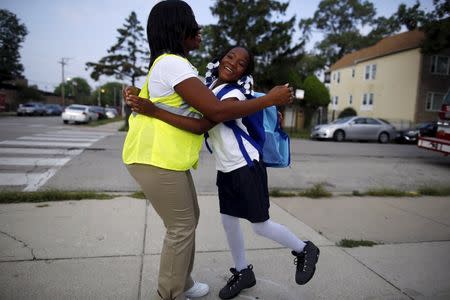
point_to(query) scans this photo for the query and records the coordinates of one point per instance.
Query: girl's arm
(196, 94)
(146, 107)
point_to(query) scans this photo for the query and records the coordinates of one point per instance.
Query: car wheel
(66, 121)
(383, 138)
(339, 136)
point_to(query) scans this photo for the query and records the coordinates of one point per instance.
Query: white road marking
(45, 144)
(39, 151)
(37, 161)
(64, 139)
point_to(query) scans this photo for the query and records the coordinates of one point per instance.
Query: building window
(350, 99)
(338, 77)
(353, 73)
(334, 76)
(440, 64)
(434, 101)
(335, 100)
(367, 101)
(371, 71)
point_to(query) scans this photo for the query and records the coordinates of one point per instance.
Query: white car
(111, 112)
(78, 113)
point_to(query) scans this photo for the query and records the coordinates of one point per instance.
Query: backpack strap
(239, 134)
(225, 90)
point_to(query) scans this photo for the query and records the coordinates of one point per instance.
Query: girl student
(159, 156)
(243, 190)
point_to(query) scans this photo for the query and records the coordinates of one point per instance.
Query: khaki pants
(173, 196)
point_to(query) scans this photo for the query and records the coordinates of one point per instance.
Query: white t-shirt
(223, 142)
(167, 73)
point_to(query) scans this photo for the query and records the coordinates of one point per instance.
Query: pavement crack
(25, 245)
(378, 274)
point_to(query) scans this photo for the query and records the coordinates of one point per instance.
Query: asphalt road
(74, 157)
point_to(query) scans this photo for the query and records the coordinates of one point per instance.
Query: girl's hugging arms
(147, 108)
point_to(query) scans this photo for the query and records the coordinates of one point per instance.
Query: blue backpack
(265, 134)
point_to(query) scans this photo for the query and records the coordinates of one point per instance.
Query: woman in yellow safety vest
(160, 156)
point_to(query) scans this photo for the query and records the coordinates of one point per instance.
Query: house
(392, 80)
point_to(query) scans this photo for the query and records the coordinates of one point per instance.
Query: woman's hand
(129, 91)
(141, 105)
(281, 94)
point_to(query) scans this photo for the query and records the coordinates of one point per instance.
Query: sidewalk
(109, 249)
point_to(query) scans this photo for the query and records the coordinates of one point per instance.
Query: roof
(389, 45)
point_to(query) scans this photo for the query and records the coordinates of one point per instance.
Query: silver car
(356, 128)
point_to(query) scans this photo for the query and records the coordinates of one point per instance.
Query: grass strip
(317, 191)
(434, 191)
(49, 195)
(348, 243)
(138, 195)
(387, 192)
(104, 121)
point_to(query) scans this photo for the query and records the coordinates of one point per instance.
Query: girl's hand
(281, 94)
(141, 105)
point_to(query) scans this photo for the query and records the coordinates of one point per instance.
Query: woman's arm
(194, 92)
(146, 107)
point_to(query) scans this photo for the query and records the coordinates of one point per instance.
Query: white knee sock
(235, 240)
(279, 233)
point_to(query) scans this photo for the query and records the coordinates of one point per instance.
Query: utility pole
(63, 62)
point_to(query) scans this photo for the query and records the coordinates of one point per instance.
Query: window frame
(434, 65)
(433, 94)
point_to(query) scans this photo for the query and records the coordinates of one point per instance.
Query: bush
(347, 112)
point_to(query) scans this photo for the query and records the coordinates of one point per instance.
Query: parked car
(101, 113)
(111, 112)
(411, 135)
(78, 113)
(53, 109)
(31, 109)
(355, 128)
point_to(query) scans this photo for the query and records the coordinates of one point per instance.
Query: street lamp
(99, 98)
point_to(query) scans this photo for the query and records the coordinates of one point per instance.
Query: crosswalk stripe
(15, 179)
(39, 151)
(95, 133)
(26, 161)
(35, 182)
(39, 138)
(46, 144)
(64, 135)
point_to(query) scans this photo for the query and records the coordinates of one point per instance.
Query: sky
(83, 30)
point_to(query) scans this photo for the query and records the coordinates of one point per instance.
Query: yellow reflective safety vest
(154, 142)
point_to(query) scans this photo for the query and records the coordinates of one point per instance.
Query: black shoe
(306, 263)
(239, 281)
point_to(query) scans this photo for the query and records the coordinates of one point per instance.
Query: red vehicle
(441, 142)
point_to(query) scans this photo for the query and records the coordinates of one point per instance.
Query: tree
(316, 95)
(78, 88)
(110, 94)
(12, 34)
(29, 93)
(437, 28)
(256, 25)
(128, 58)
(340, 22)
